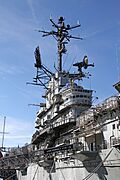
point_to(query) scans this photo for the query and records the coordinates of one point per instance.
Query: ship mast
(62, 37)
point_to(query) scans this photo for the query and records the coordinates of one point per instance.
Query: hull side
(106, 165)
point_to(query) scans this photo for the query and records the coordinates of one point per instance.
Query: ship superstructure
(65, 99)
(74, 140)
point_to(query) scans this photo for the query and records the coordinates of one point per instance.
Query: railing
(24, 158)
(115, 141)
(63, 121)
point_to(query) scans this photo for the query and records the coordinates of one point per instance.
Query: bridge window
(113, 126)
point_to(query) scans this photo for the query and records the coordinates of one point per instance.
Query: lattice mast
(62, 37)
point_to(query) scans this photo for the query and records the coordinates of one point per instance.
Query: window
(113, 126)
(48, 116)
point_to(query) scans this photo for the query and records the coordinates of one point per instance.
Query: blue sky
(100, 28)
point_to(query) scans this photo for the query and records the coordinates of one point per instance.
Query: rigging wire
(50, 175)
(11, 176)
(35, 173)
(62, 173)
(65, 60)
(98, 167)
(71, 64)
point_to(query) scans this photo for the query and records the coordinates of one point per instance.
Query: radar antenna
(43, 74)
(62, 37)
(84, 64)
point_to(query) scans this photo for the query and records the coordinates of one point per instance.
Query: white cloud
(13, 26)
(18, 131)
(11, 69)
(30, 4)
